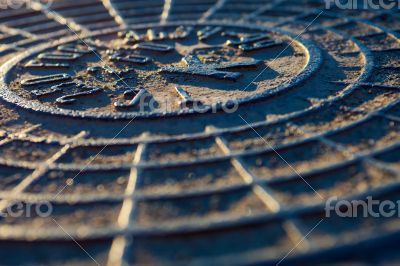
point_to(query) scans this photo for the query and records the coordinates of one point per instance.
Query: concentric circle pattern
(318, 117)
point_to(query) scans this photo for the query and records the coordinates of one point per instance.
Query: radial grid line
(382, 165)
(94, 157)
(338, 98)
(296, 215)
(76, 242)
(212, 10)
(264, 193)
(390, 117)
(16, 31)
(357, 157)
(330, 143)
(18, 135)
(97, 55)
(289, 226)
(257, 151)
(37, 173)
(323, 139)
(378, 112)
(166, 11)
(126, 216)
(340, 148)
(298, 243)
(296, 232)
(218, 131)
(51, 14)
(291, 167)
(180, 228)
(114, 12)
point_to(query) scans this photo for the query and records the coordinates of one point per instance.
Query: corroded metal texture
(97, 118)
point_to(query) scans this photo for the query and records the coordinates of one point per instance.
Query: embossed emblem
(156, 71)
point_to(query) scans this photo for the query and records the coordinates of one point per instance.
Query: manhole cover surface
(187, 132)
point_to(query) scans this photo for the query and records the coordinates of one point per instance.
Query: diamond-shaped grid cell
(232, 204)
(19, 151)
(78, 182)
(10, 177)
(194, 177)
(353, 219)
(102, 154)
(71, 216)
(371, 134)
(299, 158)
(343, 181)
(256, 138)
(182, 150)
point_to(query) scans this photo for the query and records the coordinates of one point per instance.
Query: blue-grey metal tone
(115, 112)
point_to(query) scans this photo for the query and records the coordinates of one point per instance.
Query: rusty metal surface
(318, 93)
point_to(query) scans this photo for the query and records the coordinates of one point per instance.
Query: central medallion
(154, 71)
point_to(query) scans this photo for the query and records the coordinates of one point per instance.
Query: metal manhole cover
(317, 121)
